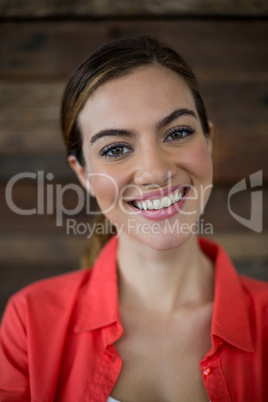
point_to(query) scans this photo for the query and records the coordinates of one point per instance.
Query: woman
(162, 316)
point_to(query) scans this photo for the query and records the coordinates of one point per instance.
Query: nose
(154, 168)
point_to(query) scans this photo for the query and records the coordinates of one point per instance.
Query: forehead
(140, 97)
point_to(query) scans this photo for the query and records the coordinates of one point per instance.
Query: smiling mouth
(161, 203)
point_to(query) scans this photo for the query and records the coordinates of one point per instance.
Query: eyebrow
(176, 114)
(160, 125)
(111, 132)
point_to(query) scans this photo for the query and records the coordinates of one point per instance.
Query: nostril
(154, 177)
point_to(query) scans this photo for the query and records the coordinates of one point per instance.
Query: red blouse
(57, 335)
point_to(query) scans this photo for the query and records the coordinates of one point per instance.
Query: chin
(166, 242)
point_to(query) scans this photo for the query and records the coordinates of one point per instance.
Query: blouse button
(219, 342)
(206, 370)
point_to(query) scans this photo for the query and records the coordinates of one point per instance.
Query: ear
(81, 174)
(210, 136)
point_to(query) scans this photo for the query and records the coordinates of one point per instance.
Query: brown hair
(114, 60)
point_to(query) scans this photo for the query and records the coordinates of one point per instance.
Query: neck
(163, 280)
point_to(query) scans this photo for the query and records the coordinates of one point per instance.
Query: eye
(115, 150)
(179, 133)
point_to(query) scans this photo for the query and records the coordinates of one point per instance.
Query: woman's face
(147, 160)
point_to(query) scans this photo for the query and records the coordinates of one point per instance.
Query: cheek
(108, 187)
(200, 163)
(202, 173)
(105, 188)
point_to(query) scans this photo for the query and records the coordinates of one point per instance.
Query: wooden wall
(228, 55)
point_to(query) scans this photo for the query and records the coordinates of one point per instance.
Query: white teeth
(166, 202)
(139, 205)
(144, 206)
(178, 197)
(150, 204)
(159, 204)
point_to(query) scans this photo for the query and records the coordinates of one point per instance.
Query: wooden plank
(28, 140)
(218, 214)
(49, 48)
(54, 163)
(29, 94)
(59, 249)
(246, 158)
(241, 125)
(35, 107)
(237, 155)
(244, 246)
(30, 116)
(38, 204)
(37, 248)
(128, 8)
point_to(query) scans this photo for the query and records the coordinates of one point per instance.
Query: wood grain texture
(213, 48)
(127, 8)
(60, 248)
(41, 249)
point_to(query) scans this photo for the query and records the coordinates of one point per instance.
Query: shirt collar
(230, 320)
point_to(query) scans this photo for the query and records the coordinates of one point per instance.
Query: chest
(161, 358)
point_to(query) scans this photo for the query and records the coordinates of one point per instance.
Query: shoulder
(58, 291)
(256, 290)
(61, 296)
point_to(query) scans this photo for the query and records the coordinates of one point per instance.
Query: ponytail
(97, 241)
